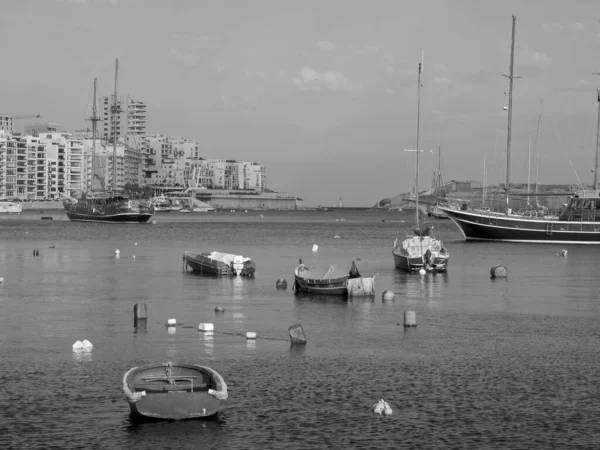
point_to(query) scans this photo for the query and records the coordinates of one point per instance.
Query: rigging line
(575, 172)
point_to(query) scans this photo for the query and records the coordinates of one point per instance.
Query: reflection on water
(82, 355)
(209, 343)
(297, 350)
(251, 344)
(171, 330)
(140, 326)
(238, 289)
(430, 285)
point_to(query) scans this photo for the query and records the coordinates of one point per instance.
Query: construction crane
(26, 116)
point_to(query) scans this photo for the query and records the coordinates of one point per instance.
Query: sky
(324, 93)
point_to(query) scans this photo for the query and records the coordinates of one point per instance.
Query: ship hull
(112, 218)
(107, 209)
(496, 227)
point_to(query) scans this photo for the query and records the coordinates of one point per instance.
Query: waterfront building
(130, 117)
(165, 155)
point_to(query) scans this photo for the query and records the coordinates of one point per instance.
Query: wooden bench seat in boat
(165, 387)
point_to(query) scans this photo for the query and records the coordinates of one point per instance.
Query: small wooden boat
(216, 263)
(331, 280)
(174, 391)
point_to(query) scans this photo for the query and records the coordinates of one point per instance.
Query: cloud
(442, 80)
(310, 79)
(529, 58)
(581, 86)
(183, 58)
(555, 26)
(441, 116)
(326, 46)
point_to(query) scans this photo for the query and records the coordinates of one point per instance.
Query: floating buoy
(563, 253)
(250, 335)
(422, 271)
(172, 322)
(206, 327)
(336, 237)
(219, 309)
(78, 345)
(133, 256)
(315, 248)
(117, 251)
(498, 272)
(382, 408)
(1, 280)
(87, 345)
(388, 295)
(140, 311)
(410, 319)
(154, 222)
(297, 335)
(135, 243)
(281, 284)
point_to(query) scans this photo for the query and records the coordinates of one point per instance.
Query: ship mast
(510, 77)
(94, 119)
(597, 144)
(115, 113)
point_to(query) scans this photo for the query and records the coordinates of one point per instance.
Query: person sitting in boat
(353, 272)
(427, 259)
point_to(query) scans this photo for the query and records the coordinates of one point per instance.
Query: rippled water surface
(504, 363)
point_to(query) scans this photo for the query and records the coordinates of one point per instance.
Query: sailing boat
(438, 191)
(577, 223)
(101, 206)
(420, 250)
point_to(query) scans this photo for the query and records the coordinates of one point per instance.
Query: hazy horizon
(324, 94)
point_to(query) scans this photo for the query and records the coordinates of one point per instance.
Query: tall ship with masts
(577, 223)
(97, 204)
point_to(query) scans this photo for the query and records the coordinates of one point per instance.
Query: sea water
(493, 363)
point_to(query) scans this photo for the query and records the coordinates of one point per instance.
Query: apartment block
(130, 116)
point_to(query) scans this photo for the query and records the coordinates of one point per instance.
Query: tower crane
(26, 116)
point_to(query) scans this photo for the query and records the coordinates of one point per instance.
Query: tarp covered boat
(217, 263)
(174, 391)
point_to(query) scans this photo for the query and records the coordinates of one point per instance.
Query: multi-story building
(130, 117)
(165, 155)
(225, 174)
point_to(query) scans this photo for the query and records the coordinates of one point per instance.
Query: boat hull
(10, 207)
(477, 226)
(203, 264)
(174, 391)
(404, 262)
(107, 209)
(336, 286)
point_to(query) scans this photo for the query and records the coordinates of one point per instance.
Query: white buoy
(387, 409)
(87, 345)
(206, 327)
(172, 322)
(422, 271)
(133, 256)
(378, 407)
(1, 280)
(78, 345)
(337, 237)
(315, 248)
(135, 243)
(251, 335)
(388, 295)
(154, 222)
(410, 319)
(563, 253)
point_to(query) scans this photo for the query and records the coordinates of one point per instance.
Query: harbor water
(493, 363)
